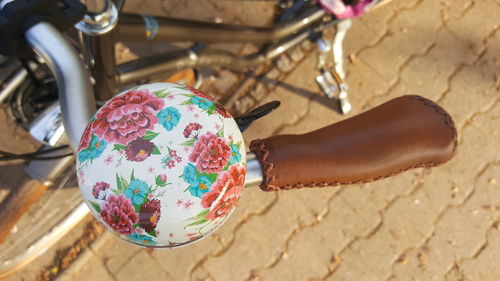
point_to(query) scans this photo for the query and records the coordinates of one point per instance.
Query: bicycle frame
(109, 77)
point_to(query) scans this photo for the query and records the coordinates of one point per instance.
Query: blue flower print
(137, 191)
(141, 239)
(169, 117)
(190, 175)
(201, 188)
(201, 102)
(235, 154)
(94, 150)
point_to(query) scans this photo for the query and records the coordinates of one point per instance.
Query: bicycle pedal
(326, 84)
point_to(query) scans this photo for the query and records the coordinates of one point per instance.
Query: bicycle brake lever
(244, 122)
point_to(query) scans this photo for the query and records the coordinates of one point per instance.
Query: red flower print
(200, 94)
(190, 128)
(233, 180)
(149, 215)
(222, 111)
(99, 190)
(127, 117)
(119, 214)
(193, 236)
(85, 139)
(138, 150)
(210, 153)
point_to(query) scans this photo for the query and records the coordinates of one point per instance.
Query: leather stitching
(446, 117)
(259, 148)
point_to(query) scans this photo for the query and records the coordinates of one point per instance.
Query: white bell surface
(161, 165)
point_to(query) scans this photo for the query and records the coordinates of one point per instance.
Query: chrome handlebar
(76, 95)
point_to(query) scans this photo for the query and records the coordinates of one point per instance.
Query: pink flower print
(174, 156)
(170, 97)
(179, 202)
(85, 139)
(128, 116)
(187, 205)
(108, 159)
(196, 116)
(151, 170)
(190, 108)
(171, 235)
(119, 214)
(81, 173)
(217, 126)
(210, 153)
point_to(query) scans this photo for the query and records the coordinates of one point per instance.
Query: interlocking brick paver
(264, 235)
(375, 26)
(403, 42)
(142, 267)
(116, 253)
(179, 262)
(313, 248)
(476, 24)
(442, 61)
(467, 96)
(484, 264)
(284, 63)
(94, 270)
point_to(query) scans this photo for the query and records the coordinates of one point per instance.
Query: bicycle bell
(163, 165)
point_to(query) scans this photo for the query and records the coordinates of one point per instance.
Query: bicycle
(41, 37)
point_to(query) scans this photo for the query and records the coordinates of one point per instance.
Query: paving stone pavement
(426, 224)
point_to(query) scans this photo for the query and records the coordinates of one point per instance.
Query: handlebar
(76, 96)
(404, 133)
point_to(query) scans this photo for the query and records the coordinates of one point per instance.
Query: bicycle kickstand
(332, 81)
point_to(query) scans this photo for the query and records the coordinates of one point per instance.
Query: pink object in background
(343, 11)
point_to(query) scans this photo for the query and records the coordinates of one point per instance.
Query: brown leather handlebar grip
(401, 134)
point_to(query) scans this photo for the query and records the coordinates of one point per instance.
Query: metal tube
(158, 29)
(101, 50)
(254, 171)
(73, 80)
(13, 84)
(96, 6)
(143, 68)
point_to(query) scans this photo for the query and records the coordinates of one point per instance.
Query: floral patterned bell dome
(161, 165)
